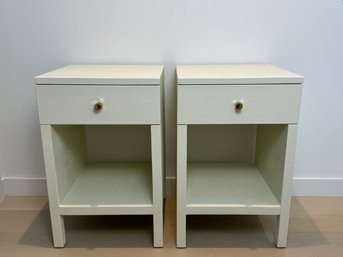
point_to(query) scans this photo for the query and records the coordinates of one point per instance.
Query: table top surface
(235, 74)
(102, 74)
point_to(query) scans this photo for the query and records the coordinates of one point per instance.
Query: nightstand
(236, 137)
(102, 133)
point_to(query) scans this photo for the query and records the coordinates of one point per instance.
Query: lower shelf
(226, 188)
(102, 189)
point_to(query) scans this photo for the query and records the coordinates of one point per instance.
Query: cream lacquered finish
(121, 104)
(258, 102)
(79, 105)
(215, 104)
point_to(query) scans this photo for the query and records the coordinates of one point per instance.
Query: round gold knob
(98, 106)
(238, 106)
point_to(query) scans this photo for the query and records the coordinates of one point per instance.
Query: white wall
(303, 36)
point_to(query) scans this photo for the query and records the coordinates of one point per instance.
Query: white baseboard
(317, 186)
(2, 191)
(171, 186)
(302, 186)
(24, 186)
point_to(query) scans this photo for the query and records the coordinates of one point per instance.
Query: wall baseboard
(301, 186)
(171, 186)
(317, 186)
(2, 191)
(24, 186)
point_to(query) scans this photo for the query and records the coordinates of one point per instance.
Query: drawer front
(215, 104)
(65, 104)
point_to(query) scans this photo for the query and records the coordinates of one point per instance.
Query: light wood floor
(316, 230)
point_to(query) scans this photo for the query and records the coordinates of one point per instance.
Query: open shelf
(111, 184)
(235, 169)
(110, 189)
(103, 170)
(234, 188)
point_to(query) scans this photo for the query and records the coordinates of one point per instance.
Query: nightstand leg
(283, 218)
(157, 181)
(180, 229)
(181, 186)
(282, 230)
(49, 160)
(158, 229)
(58, 232)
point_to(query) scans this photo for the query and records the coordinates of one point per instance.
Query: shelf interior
(111, 184)
(103, 165)
(236, 166)
(231, 184)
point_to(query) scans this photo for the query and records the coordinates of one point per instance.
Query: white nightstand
(236, 136)
(102, 133)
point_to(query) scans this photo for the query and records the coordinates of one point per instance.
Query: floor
(316, 230)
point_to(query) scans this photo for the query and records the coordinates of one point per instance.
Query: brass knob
(238, 106)
(97, 107)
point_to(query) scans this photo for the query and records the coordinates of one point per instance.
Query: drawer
(66, 104)
(215, 104)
